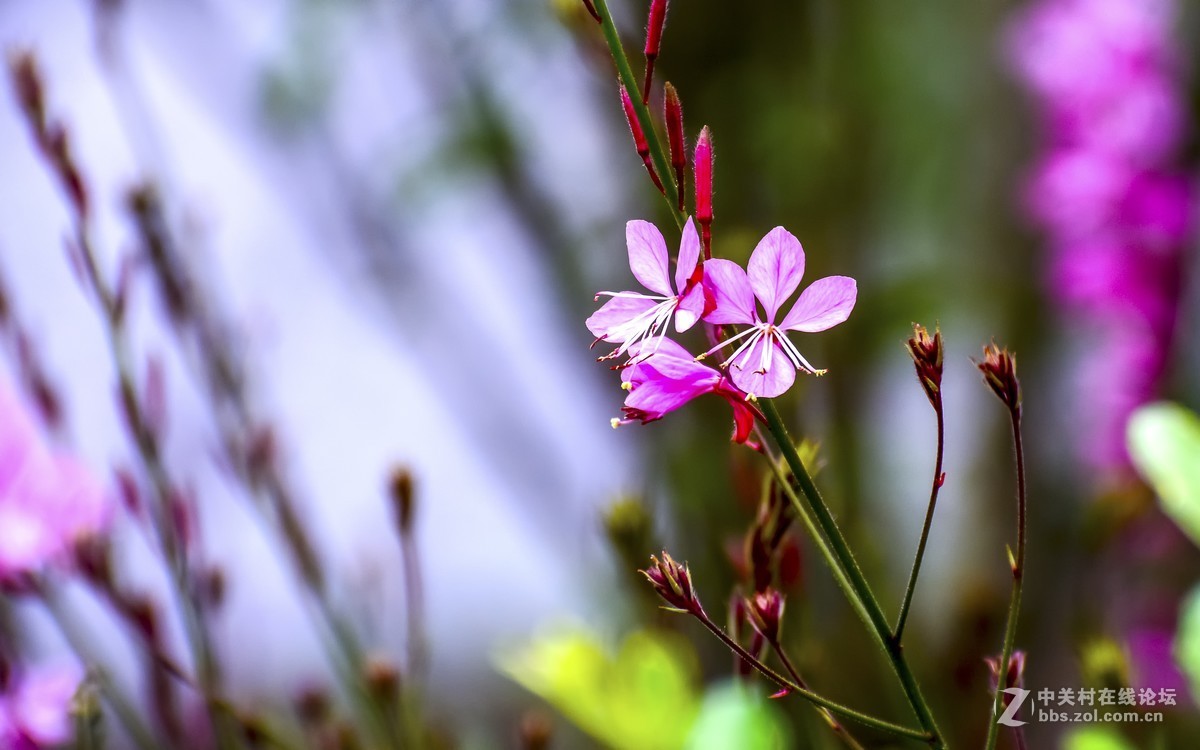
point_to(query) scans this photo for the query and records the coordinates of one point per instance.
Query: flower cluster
(48, 500)
(759, 360)
(1117, 215)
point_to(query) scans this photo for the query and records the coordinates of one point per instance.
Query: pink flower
(35, 709)
(765, 363)
(632, 317)
(47, 500)
(669, 377)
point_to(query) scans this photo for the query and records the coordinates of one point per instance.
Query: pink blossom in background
(35, 707)
(632, 317)
(765, 362)
(1108, 194)
(48, 500)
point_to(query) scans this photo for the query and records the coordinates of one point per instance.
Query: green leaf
(735, 715)
(1095, 738)
(641, 698)
(1164, 442)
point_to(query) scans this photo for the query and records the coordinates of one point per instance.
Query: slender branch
(784, 682)
(1018, 573)
(858, 582)
(630, 81)
(898, 633)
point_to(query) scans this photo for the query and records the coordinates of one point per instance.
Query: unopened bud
(654, 31)
(536, 731)
(1014, 675)
(27, 82)
(639, 137)
(765, 610)
(673, 582)
(999, 369)
(382, 679)
(703, 176)
(673, 115)
(312, 706)
(93, 559)
(401, 490)
(926, 353)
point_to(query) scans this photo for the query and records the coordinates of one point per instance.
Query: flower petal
(689, 255)
(648, 256)
(691, 307)
(615, 313)
(824, 304)
(747, 370)
(730, 289)
(775, 268)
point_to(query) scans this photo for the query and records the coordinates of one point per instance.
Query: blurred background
(396, 212)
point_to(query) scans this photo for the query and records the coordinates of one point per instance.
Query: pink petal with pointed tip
(689, 255)
(775, 269)
(780, 374)
(730, 289)
(824, 304)
(616, 312)
(691, 307)
(648, 256)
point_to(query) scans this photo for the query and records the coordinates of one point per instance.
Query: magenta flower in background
(35, 708)
(765, 362)
(668, 378)
(630, 318)
(1109, 196)
(47, 500)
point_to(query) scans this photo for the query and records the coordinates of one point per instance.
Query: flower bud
(27, 82)
(703, 176)
(639, 138)
(766, 613)
(673, 582)
(673, 115)
(1013, 676)
(401, 491)
(999, 369)
(926, 353)
(654, 30)
(535, 731)
(382, 679)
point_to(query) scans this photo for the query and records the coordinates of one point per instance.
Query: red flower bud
(926, 352)
(673, 582)
(639, 137)
(766, 613)
(654, 30)
(673, 114)
(703, 174)
(999, 369)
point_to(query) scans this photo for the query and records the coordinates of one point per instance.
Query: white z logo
(1006, 718)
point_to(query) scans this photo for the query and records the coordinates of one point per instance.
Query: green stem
(898, 633)
(858, 582)
(630, 81)
(1018, 574)
(784, 682)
